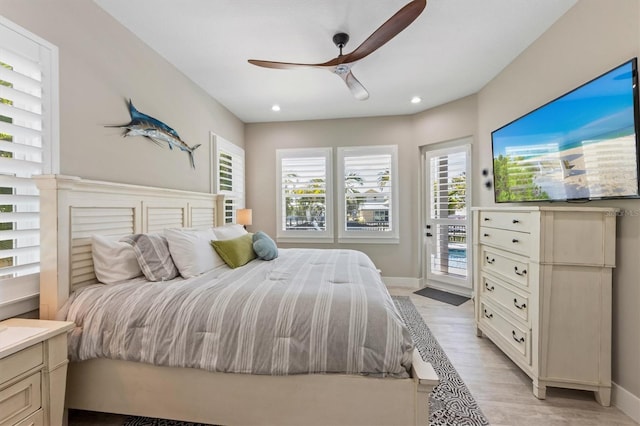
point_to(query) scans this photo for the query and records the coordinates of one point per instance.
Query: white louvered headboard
(73, 209)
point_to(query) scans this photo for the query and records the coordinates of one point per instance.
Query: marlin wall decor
(156, 131)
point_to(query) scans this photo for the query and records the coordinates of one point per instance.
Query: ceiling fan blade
(285, 65)
(341, 65)
(391, 28)
(357, 89)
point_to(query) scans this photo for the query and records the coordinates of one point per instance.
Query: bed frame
(72, 209)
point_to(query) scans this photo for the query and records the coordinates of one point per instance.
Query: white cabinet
(542, 288)
(33, 367)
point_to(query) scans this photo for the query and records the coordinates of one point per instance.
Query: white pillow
(113, 260)
(229, 232)
(191, 250)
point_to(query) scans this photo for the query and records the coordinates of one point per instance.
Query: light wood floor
(501, 389)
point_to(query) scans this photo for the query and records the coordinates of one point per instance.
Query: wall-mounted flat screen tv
(580, 146)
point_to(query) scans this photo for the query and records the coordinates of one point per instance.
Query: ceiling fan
(341, 65)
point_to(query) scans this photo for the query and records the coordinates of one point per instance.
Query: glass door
(447, 233)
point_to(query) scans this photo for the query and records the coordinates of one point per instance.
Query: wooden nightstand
(33, 371)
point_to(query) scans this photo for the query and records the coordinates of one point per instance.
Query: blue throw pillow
(264, 246)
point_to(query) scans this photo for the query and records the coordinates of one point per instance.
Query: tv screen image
(580, 146)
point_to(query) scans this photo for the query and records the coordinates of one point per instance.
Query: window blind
(368, 204)
(21, 156)
(230, 180)
(367, 189)
(304, 191)
(449, 182)
(448, 211)
(28, 146)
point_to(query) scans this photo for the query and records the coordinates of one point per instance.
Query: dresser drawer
(20, 400)
(517, 242)
(516, 338)
(36, 419)
(20, 362)
(514, 221)
(505, 295)
(512, 267)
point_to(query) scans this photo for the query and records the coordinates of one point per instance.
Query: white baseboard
(625, 401)
(404, 282)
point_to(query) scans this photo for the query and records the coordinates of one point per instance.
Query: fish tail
(193, 148)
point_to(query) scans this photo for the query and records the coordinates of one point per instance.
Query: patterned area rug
(451, 403)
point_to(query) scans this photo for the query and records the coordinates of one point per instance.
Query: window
(228, 175)
(28, 146)
(304, 207)
(448, 244)
(368, 203)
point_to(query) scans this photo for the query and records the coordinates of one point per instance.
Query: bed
(244, 388)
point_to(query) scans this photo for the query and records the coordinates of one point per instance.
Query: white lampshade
(244, 216)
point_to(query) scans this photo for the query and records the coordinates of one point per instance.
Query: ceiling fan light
(275, 108)
(416, 100)
(342, 69)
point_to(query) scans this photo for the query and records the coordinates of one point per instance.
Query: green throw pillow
(237, 251)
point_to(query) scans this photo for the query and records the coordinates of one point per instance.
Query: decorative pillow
(264, 246)
(113, 260)
(191, 250)
(154, 258)
(237, 251)
(229, 232)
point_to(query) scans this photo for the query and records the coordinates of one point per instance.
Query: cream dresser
(542, 287)
(33, 368)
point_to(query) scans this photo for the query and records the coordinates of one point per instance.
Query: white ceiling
(452, 50)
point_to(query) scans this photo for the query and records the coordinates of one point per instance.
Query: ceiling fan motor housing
(340, 40)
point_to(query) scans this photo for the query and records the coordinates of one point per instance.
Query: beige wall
(101, 65)
(408, 132)
(590, 39)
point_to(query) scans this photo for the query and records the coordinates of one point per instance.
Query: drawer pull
(490, 261)
(522, 274)
(515, 221)
(517, 339)
(515, 241)
(485, 235)
(488, 315)
(515, 303)
(486, 285)
(486, 219)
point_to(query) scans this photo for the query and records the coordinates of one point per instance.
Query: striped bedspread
(308, 311)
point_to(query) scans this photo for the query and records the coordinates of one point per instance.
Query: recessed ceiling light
(275, 108)
(416, 100)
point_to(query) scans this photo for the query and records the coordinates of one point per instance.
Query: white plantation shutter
(368, 204)
(304, 194)
(448, 213)
(229, 176)
(28, 141)
(449, 185)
